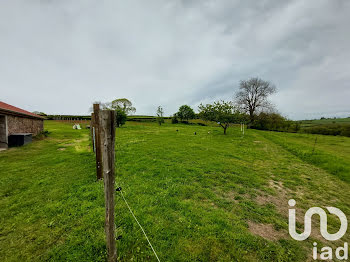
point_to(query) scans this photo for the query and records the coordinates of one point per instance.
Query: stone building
(14, 120)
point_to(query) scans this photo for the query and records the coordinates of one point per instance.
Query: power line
(119, 189)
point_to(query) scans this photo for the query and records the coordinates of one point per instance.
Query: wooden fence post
(92, 131)
(98, 149)
(107, 127)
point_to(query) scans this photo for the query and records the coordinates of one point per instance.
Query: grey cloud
(60, 56)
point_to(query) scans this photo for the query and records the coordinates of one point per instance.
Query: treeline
(86, 117)
(276, 122)
(67, 117)
(144, 118)
(251, 106)
(329, 129)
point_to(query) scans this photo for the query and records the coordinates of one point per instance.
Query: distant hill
(325, 121)
(327, 126)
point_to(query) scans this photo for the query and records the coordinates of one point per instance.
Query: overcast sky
(58, 56)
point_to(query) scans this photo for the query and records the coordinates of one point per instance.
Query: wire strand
(139, 225)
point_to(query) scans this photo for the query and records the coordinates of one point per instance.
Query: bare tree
(103, 106)
(252, 95)
(122, 103)
(160, 113)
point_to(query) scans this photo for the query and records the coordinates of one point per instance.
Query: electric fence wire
(132, 213)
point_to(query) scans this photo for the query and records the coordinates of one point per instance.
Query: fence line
(132, 213)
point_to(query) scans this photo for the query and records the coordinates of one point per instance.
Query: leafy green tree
(185, 113)
(123, 104)
(222, 112)
(160, 113)
(120, 117)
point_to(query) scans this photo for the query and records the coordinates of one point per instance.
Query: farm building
(17, 122)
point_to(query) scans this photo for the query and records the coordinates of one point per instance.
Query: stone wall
(17, 124)
(3, 132)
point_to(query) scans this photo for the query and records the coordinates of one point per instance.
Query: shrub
(42, 134)
(330, 129)
(174, 119)
(297, 126)
(345, 132)
(270, 121)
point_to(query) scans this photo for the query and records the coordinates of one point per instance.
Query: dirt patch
(210, 203)
(83, 139)
(280, 201)
(61, 149)
(80, 148)
(278, 185)
(257, 141)
(68, 145)
(231, 196)
(266, 231)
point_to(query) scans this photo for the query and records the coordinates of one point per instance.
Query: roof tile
(14, 109)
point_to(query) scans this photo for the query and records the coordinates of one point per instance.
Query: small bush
(42, 134)
(345, 132)
(160, 120)
(272, 122)
(174, 119)
(45, 133)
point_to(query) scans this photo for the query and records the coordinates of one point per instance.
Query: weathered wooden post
(107, 130)
(98, 153)
(92, 131)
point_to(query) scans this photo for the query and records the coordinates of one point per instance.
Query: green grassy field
(326, 121)
(334, 127)
(204, 197)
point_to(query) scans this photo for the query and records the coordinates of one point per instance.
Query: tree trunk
(251, 115)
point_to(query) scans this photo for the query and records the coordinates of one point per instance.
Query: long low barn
(14, 120)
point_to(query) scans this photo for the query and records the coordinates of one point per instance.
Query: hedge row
(331, 129)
